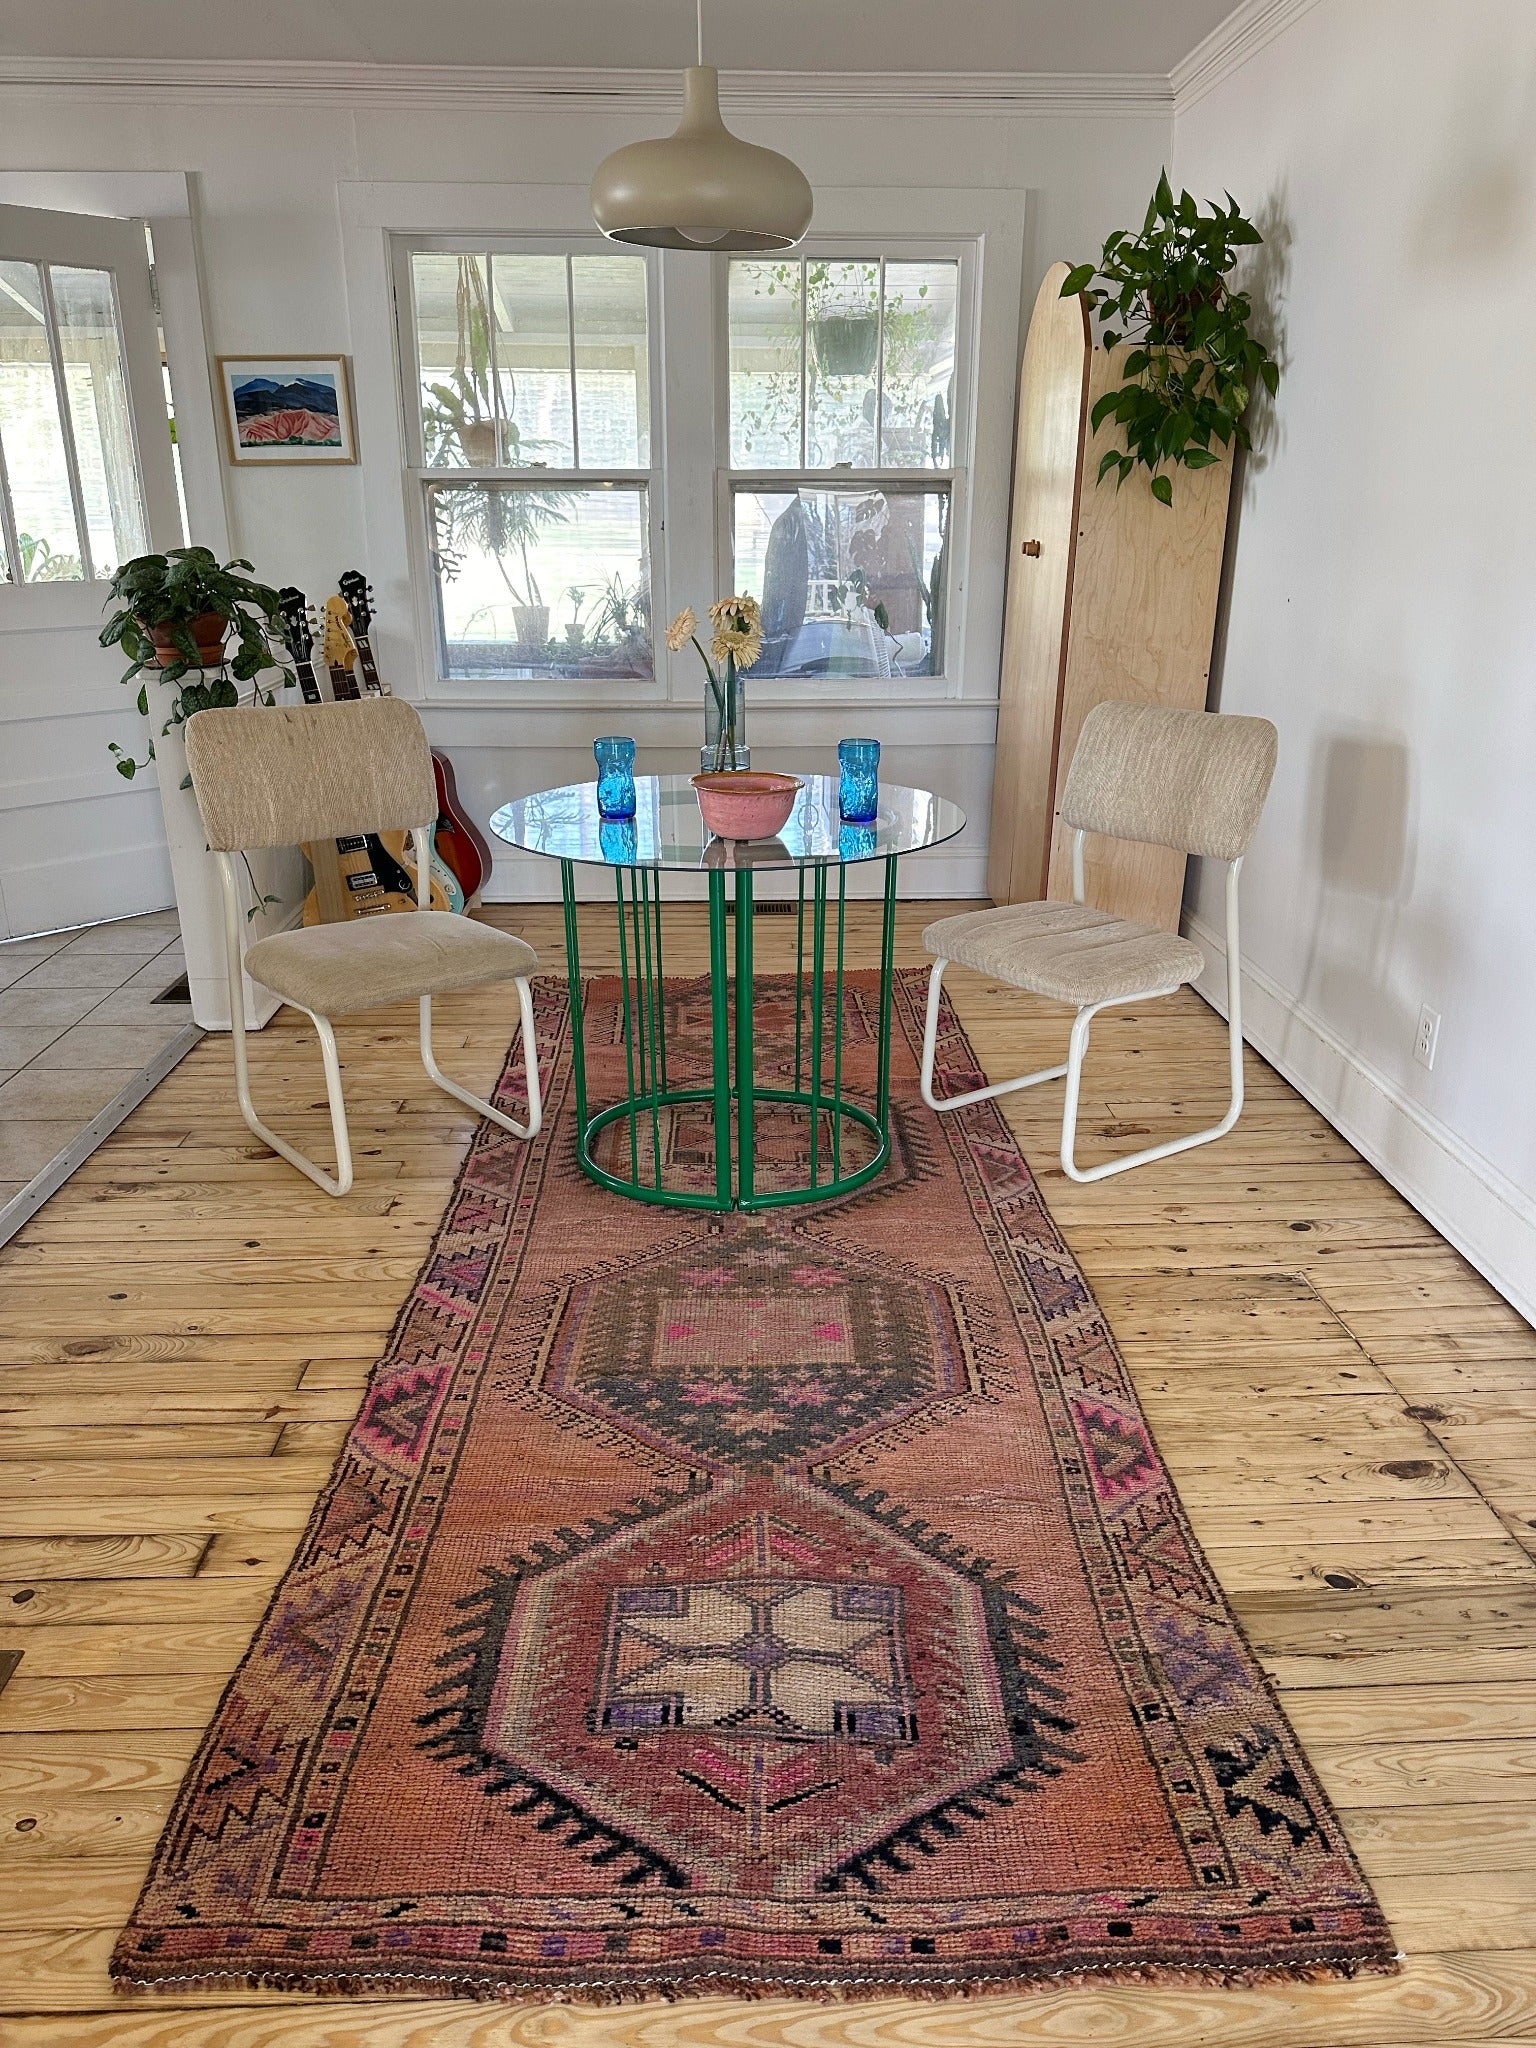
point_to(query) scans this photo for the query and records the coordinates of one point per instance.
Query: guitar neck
(343, 683)
(373, 682)
(309, 687)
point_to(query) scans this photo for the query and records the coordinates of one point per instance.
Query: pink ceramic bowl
(742, 804)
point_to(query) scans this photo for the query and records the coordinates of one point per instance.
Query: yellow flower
(682, 628)
(738, 630)
(742, 613)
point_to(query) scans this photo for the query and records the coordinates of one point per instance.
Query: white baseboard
(1469, 1201)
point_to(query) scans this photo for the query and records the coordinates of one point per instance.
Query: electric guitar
(356, 876)
(460, 843)
(340, 656)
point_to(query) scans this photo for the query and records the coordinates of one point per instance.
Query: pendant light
(702, 187)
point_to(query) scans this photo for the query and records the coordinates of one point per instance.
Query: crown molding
(529, 90)
(1247, 30)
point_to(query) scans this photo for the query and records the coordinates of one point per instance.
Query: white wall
(271, 175)
(1383, 603)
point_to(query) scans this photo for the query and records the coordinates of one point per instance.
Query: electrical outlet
(1428, 1037)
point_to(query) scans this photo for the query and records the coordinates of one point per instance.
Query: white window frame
(52, 240)
(689, 450)
(868, 248)
(420, 477)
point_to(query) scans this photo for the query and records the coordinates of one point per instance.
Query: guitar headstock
(340, 648)
(358, 592)
(298, 629)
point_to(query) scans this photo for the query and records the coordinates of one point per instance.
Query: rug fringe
(503, 1989)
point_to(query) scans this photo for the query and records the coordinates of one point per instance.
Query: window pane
(542, 583)
(613, 391)
(851, 580)
(533, 360)
(90, 346)
(919, 368)
(765, 335)
(453, 345)
(31, 435)
(843, 340)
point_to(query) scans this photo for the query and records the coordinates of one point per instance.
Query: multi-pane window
(71, 499)
(842, 460)
(533, 403)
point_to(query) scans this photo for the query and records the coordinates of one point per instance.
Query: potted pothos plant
(176, 614)
(1194, 364)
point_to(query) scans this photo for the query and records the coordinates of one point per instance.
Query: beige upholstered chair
(1195, 780)
(328, 771)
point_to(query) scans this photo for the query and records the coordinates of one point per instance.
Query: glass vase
(615, 776)
(858, 781)
(725, 723)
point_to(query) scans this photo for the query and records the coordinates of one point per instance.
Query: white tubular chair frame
(341, 1182)
(1077, 1050)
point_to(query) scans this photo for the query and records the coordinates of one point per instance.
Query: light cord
(700, 6)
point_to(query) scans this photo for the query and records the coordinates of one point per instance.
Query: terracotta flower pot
(478, 440)
(209, 632)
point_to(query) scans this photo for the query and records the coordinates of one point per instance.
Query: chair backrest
(309, 771)
(1195, 780)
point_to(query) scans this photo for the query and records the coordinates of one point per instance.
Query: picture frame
(287, 409)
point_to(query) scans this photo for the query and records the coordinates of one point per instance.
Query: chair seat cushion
(1067, 951)
(333, 968)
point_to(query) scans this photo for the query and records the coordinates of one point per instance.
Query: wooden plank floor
(1346, 1406)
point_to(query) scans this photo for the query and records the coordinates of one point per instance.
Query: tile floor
(78, 1020)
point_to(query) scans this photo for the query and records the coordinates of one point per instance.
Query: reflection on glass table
(669, 832)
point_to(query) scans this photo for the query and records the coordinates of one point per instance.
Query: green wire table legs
(734, 1097)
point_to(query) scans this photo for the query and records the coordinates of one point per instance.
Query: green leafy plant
(503, 521)
(41, 564)
(622, 614)
(170, 592)
(460, 417)
(1193, 366)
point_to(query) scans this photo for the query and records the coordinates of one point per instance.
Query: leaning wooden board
(1047, 473)
(1119, 603)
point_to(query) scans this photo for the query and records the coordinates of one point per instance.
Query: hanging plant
(846, 343)
(1193, 365)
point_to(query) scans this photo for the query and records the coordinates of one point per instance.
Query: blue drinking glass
(615, 777)
(858, 780)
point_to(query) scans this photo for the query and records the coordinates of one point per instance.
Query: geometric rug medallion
(748, 1604)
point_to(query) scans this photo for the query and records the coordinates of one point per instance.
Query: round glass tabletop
(668, 832)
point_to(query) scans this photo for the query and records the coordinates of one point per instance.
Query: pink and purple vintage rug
(748, 1605)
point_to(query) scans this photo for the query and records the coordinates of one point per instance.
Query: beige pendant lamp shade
(703, 187)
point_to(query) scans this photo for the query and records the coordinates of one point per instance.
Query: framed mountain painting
(287, 409)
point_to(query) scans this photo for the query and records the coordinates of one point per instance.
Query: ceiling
(1081, 36)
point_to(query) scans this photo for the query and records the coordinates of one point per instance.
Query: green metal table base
(734, 1093)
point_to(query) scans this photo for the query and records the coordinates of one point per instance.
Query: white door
(87, 480)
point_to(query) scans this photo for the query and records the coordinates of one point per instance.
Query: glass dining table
(846, 1132)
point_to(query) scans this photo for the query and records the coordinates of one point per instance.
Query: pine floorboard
(1345, 1404)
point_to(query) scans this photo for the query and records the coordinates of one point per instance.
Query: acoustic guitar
(356, 876)
(339, 653)
(460, 843)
